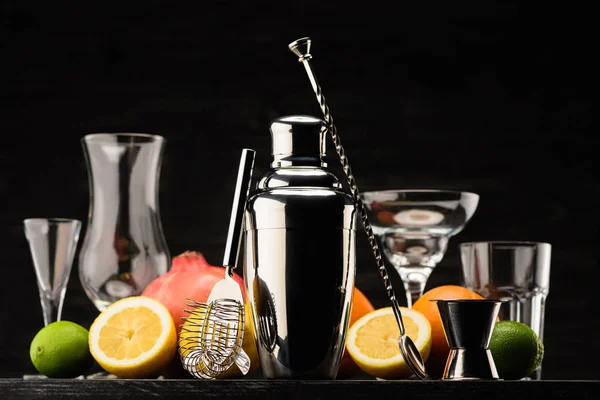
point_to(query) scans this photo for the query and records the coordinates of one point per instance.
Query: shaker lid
(298, 140)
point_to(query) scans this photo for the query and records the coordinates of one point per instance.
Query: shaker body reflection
(124, 248)
(299, 258)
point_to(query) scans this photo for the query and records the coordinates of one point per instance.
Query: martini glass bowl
(413, 228)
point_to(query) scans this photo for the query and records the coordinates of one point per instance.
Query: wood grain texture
(266, 390)
(490, 98)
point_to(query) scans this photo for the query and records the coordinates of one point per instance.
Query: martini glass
(413, 228)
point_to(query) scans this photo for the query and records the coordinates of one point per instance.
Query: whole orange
(439, 346)
(360, 306)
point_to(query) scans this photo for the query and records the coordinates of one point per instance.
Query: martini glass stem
(414, 290)
(414, 278)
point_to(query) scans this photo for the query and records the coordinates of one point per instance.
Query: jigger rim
(470, 301)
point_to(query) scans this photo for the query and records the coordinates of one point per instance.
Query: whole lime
(516, 349)
(61, 350)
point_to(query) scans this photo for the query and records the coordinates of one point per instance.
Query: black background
(495, 99)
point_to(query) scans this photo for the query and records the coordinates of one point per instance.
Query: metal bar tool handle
(301, 48)
(236, 221)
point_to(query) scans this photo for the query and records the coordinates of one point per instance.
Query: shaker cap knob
(298, 140)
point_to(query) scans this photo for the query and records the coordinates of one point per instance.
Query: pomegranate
(190, 277)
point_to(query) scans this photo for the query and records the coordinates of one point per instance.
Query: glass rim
(52, 220)
(514, 243)
(102, 136)
(484, 300)
(445, 191)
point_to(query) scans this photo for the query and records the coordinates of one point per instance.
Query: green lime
(61, 350)
(516, 349)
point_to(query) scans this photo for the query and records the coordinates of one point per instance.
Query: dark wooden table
(265, 390)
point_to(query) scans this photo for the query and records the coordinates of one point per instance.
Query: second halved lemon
(372, 342)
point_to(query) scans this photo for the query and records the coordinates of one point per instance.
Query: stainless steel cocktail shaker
(299, 258)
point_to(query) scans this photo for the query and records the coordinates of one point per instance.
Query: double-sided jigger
(468, 325)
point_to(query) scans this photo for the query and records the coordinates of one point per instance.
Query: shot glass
(516, 272)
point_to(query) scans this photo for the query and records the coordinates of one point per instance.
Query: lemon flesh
(373, 342)
(133, 338)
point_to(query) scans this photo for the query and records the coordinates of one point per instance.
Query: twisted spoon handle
(305, 60)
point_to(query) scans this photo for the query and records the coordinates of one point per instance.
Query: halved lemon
(372, 342)
(133, 338)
